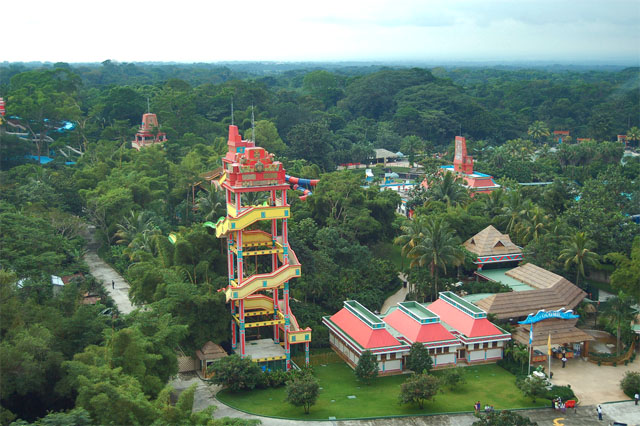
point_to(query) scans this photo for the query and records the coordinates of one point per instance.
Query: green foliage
(367, 368)
(630, 383)
(627, 272)
(75, 417)
(453, 378)
(419, 388)
(303, 392)
(563, 392)
(235, 373)
(503, 418)
(534, 387)
(419, 360)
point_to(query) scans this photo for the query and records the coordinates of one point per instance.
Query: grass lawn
(489, 384)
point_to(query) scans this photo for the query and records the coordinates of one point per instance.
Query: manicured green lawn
(488, 383)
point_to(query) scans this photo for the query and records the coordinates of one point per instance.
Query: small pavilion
(209, 353)
(493, 248)
(149, 133)
(561, 135)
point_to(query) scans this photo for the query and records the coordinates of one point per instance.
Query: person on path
(636, 397)
(113, 285)
(599, 412)
(564, 360)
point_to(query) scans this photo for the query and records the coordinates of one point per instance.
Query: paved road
(105, 273)
(398, 296)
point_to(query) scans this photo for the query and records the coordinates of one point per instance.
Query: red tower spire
(462, 162)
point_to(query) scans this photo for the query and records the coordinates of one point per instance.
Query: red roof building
(418, 324)
(149, 133)
(481, 340)
(561, 135)
(453, 330)
(463, 167)
(355, 329)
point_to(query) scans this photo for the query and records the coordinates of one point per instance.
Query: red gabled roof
(364, 335)
(416, 332)
(465, 324)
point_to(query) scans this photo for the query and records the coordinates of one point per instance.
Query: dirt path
(398, 296)
(105, 273)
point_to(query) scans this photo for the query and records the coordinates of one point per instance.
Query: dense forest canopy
(58, 353)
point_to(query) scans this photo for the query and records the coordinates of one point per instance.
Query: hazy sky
(343, 30)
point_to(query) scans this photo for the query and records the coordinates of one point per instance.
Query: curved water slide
(302, 185)
(268, 281)
(237, 222)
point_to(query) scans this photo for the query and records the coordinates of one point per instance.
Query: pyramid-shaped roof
(363, 334)
(414, 331)
(551, 292)
(461, 321)
(491, 242)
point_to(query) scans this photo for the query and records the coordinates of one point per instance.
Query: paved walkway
(105, 273)
(398, 296)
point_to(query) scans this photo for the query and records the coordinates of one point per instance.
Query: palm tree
(514, 210)
(534, 224)
(538, 129)
(438, 248)
(633, 134)
(212, 204)
(412, 232)
(619, 310)
(448, 189)
(494, 202)
(133, 225)
(577, 252)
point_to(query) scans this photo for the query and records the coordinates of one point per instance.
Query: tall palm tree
(619, 310)
(412, 232)
(448, 189)
(133, 225)
(438, 248)
(577, 252)
(534, 224)
(494, 202)
(212, 204)
(633, 134)
(514, 210)
(538, 129)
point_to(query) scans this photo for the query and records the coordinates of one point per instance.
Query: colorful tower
(259, 259)
(149, 133)
(462, 163)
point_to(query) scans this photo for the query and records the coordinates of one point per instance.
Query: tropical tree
(419, 388)
(412, 233)
(514, 210)
(303, 392)
(633, 134)
(367, 368)
(519, 353)
(449, 189)
(534, 224)
(537, 130)
(618, 309)
(211, 204)
(438, 248)
(419, 360)
(577, 252)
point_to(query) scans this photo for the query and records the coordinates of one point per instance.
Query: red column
(234, 337)
(242, 336)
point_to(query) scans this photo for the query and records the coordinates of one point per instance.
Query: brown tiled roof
(210, 351)
(552, 292)
(489, 242)
(561, 330)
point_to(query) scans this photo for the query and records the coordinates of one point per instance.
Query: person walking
(113, 286)
(599, 412)
(636, 397)
(564, 360)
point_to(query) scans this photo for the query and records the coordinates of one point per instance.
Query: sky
(571, 31)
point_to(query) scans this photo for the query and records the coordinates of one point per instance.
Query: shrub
(563, 392)
(419, 359)
(453, 377)
(419, 388)
(367, 368)
(630, 383)
(235, 373)
(303, 392)
(499, 418)
(533, 387)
